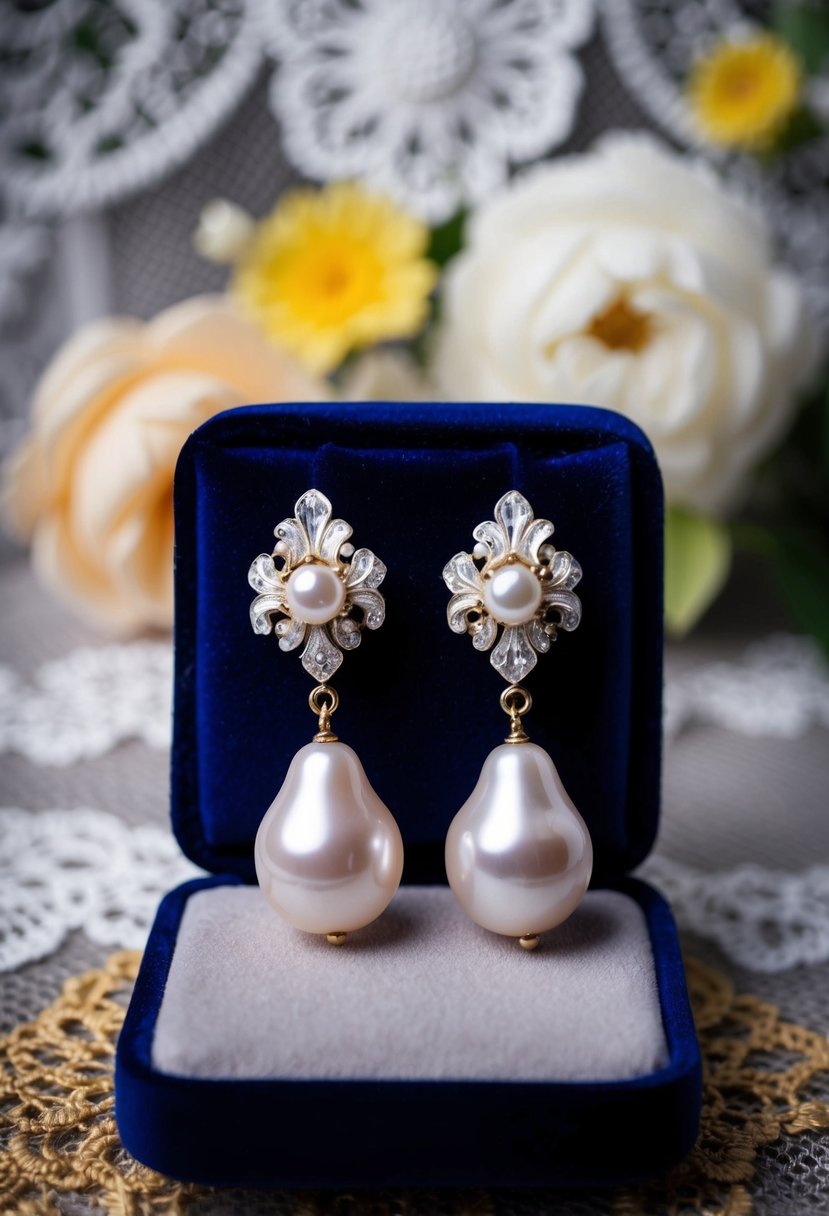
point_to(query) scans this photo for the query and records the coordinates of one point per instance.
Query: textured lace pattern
(764, 1092)
(778, 687)
(765, 920)
(162, 77)
(86, 703)
(429, 101)
(765, 1083)
(57, 1125)
(80, 869)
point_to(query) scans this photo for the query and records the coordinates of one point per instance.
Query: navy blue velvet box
(413, 480)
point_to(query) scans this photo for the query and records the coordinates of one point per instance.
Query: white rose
(629, 278)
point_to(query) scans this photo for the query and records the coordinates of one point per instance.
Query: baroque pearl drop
(315, 594)
(512, 596)
(518, 853)
(328, 853)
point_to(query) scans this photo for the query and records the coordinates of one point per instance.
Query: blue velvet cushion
(418, 704)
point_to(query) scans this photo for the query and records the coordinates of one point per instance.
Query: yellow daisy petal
(742, 93)
(333, 270)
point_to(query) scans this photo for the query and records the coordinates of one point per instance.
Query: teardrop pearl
(328, 852)
(518, 853)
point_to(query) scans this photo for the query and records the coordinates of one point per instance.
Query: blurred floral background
(625, 203)
(622, 206)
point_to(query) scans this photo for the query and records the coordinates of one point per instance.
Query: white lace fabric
(62, 870)
(429, 101)
(777, 688)
(163, 74)
(86, 703)
(764, 920)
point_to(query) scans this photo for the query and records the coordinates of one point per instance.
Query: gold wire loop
(516, 701)
(323, 700)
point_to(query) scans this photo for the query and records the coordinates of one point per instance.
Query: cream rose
(628, 278)
(91, 488)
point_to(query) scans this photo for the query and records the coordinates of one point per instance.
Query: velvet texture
(418, 704)
(420, 707)
(407, 1133)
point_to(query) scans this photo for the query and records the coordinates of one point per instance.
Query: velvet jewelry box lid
(420, 707)
(417, 703)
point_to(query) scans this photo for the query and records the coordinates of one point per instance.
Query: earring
(518, 853)
(329, 855)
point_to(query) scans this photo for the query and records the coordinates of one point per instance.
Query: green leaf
(801, 127)
(802, 567)
(697, 561)
(805, 27)
(447, 240)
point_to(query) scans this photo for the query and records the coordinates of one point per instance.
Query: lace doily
(765, 1080)
(80, 869)
(765, 920)
(87, 702)
(99, 101)
(57, 1125)
(765, 1085)
(653, 44)
(429, 101)
(779, 687)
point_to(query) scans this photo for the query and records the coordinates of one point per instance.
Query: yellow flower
(742, 93)
(335, 269)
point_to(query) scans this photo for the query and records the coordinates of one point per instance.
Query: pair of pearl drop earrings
(329, 855)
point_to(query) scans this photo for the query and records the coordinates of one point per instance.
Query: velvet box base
(577, 1064)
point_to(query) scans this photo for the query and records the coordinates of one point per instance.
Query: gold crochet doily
(58, 1135)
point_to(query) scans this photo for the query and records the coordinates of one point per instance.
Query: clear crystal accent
(365, 570)
(459, 605)
(313, 511)
(565, 569)
(292, 634)
(568, 605)
(461, 574)
(262, 608)
(372, 604)
(321, 657)
(513, 513)
(334, 538)
(538, 636)
(263, 576)
(514, 657)
(346, 632)
(293, 537)
(483, 637)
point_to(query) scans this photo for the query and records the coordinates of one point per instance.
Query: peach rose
(91, 487)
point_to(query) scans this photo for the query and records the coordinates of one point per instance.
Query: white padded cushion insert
(421, 993)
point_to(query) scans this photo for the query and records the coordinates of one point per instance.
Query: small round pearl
(315, 594)
(518, 853)
(328, 853)
(513, 595)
